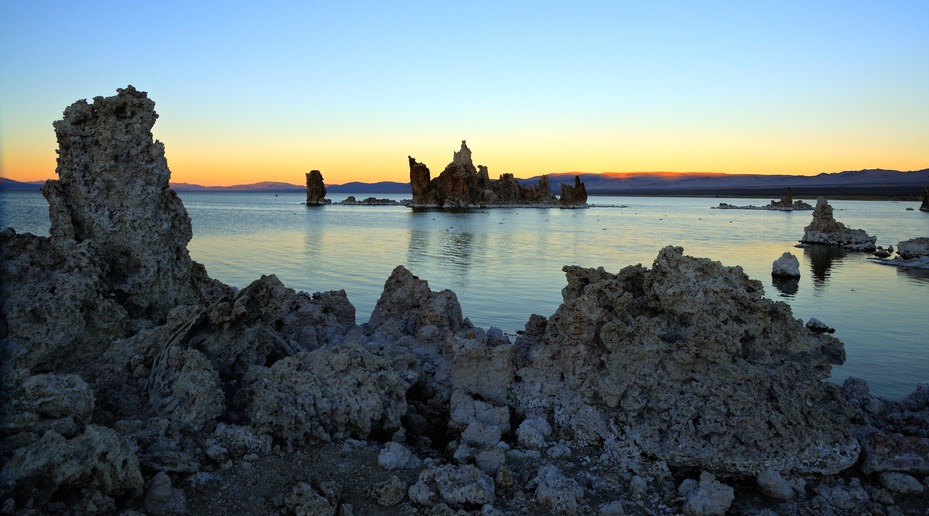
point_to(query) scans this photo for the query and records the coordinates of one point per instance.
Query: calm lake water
(505, 264)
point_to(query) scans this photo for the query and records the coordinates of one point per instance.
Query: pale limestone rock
(709, 497)
(464, 484)
(553, 489)
(787, 266)
(533, 432)
(397, 456)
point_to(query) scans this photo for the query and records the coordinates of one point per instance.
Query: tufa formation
(131, 382)
(462, 185)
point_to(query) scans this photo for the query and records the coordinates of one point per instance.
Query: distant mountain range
(875, 182)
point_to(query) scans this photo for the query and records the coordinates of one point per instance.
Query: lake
(505, 264)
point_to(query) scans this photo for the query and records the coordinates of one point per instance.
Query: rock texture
(787, 266)
(265, 400)
(462, 185)
(315, 189)
(731, 389)
(824, 229)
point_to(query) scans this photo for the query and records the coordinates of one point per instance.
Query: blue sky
(249, 92)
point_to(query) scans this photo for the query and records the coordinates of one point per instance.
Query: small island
(462, 185)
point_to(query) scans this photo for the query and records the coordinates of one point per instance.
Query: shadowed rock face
(112, 197)
(925, 205)
(575, 195)
(824, 229)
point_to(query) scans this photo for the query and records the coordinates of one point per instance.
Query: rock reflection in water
(823, 259)
(788, 287)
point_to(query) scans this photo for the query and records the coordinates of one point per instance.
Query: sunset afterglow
(249, 93)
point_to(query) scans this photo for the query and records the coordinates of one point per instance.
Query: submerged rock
(786, 203)
(824, 229)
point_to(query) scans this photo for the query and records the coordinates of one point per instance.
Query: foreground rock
(265, 400)
(315, 189)
(824, 229)
(462, 185)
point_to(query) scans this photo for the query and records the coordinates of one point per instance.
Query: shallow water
(505, 264)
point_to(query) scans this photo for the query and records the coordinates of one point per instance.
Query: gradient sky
(266, 91)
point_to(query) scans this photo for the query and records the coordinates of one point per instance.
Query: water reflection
(788, 287)
(449, 239)
(824, 259)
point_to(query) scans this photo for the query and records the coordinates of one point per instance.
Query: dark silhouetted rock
(925, 205)
(315, 189)
(573, 196)
(462, 185)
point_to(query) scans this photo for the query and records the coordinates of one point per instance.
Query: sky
(266, 91)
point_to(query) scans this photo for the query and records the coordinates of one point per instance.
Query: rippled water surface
(505, 264)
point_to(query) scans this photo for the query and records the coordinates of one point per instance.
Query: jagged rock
(925, 204)
(185, 388)
(787, 266)
(533, 432)
(573, 196)
(913, 248)
(461, 185)
(113, 198)
(98, 460)
(239, 441)
(315, 189)
(708, 497)
(553, 489)
(457, 485)
(895, 452)
(737, 388)
(63, 403)
(824, 229)
(389, 492)
(396, 456)
(329, 393)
